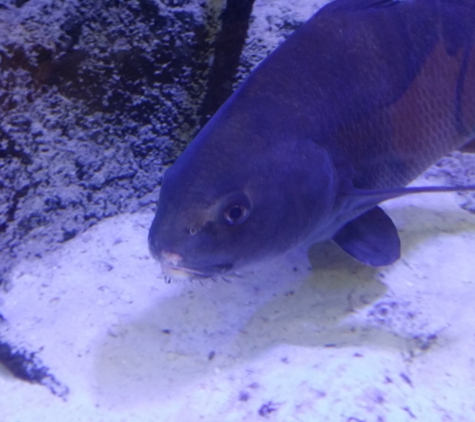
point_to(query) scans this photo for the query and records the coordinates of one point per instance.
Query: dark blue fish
(349, 109)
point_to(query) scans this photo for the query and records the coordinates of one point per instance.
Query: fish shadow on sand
(224, 325)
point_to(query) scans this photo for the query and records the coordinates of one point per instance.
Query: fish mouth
(176, 272)
(173, 268)
(182, 273)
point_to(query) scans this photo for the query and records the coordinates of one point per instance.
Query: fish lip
(175, 271)
(174, 266)
(182, 272)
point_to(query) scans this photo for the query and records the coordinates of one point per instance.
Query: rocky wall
(96, 98)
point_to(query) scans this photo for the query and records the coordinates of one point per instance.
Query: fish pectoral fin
(371, 238)
(468, 147)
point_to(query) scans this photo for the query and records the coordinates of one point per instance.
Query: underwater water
(96, 100)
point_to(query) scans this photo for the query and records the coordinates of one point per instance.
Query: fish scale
(409, 134)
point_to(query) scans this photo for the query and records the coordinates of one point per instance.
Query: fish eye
(235, 214)
(237, 209)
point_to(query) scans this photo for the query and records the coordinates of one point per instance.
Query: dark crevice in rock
(61, 70)
(228, 49)
(19, 194)
(72, 31)
(12, 150)
(20, 3)
(27, 366)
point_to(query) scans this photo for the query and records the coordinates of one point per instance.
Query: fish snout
(174, 268)
(170, 258)
(170, 263)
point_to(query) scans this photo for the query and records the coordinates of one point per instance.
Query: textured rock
(95, 98)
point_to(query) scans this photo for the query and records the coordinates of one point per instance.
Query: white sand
(342, 342)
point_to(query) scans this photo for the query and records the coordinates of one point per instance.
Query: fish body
(354, 105)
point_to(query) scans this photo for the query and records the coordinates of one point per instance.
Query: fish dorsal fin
(371, 238)
(468, 147)
(353, 5)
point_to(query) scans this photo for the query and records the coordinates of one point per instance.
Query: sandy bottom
(341, 342)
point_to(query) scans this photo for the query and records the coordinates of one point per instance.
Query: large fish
(348, 110)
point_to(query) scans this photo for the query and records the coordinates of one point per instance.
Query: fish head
(236, 196)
